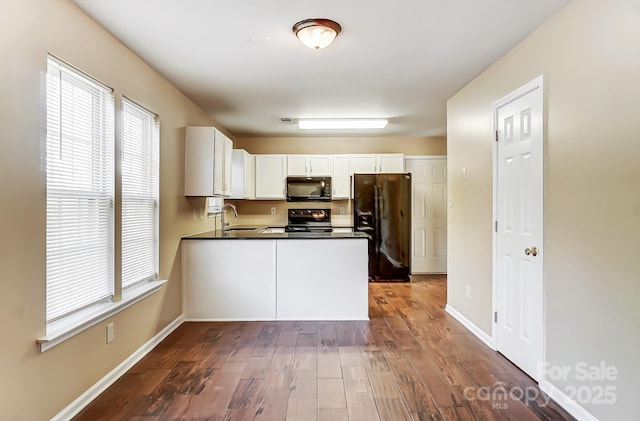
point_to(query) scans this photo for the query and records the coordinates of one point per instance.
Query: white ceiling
(399, 59)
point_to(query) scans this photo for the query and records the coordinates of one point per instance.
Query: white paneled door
(518, 294)
(428, 214)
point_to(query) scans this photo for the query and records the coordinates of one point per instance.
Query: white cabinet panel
(222, 165)
(271, 173)
(298, 165)
(242, 175)
(320, 165)
(337, 292)
(207, 162)
(199, 149)
(378, 163)
(309, 165)
(390, 163)
(364, 164)
(218, 284)
(341, 177)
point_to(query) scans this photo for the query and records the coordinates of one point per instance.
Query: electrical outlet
(450, 202)
(273, 210)
(467, 291)
(341, 210)
(109, 332)
(194, 215)
(201, 213)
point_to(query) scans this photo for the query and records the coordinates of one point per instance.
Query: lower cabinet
(275, 279)
(334, 287)
(218, 284)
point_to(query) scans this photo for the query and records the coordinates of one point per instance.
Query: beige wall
(590, 59)
(336, 145)
(36, 386)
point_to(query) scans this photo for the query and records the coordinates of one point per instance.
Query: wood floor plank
(329, 365)
(272, 409)
(350, 356)
(392, 409)
(333, 414)
(362, 406)
(384, 384)
(356, 380)
(304, 384)
(374, 359)
(212, 403)
(411, 360)
(331, 393)
(256, 368)
(247, 395)
(302, 408)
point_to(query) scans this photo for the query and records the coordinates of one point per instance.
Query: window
(140, 143)
(81, 279)
(80, 191)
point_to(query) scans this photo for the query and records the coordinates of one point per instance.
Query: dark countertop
(254, 232)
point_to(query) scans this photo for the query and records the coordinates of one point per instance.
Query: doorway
(518, 210)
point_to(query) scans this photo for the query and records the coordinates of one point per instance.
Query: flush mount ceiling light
(342, 123)
(317, 33)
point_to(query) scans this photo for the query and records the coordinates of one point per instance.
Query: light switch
(450, 202)
(464, 173)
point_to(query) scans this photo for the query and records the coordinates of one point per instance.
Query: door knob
(533, 251)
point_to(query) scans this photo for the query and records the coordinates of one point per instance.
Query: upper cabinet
(207, 162)
(377, 163)
(390, 163)
(341, 177)
(309, 165)
(271, 173)
(242, 175)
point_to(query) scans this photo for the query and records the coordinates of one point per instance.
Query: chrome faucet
(222, 210)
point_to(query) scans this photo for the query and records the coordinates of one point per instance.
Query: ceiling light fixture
(317, 33)
(342, 123)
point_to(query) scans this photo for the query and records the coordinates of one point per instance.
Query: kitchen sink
(273, 230)
(239, 229)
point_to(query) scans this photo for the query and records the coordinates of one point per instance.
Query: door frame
(533, 85)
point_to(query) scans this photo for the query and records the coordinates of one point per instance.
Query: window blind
(80, 193)
(140, 193)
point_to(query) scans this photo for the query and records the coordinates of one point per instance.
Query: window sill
(63, 329)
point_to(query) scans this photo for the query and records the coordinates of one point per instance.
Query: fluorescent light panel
(342, 123)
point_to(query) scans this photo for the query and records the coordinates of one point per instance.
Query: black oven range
(308, 220)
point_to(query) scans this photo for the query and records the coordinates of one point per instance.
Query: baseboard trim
(479, 333)
(101, 385)
(571, 406)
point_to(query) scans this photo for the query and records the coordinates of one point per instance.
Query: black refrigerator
(382, 209)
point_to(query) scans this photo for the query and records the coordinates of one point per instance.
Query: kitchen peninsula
(254, 273)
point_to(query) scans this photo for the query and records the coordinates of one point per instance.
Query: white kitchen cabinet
(218, 284)
(309, 165)
(271, 172)
(337, 292)
(364, 164)
(390, 163)
(270, 279)
(243, 175)
(341, 177)
(297, 165)
(377, 163)
(207, 162)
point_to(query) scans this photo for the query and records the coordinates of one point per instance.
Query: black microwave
(308, 189)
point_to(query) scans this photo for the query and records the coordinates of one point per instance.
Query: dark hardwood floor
(411, 361)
